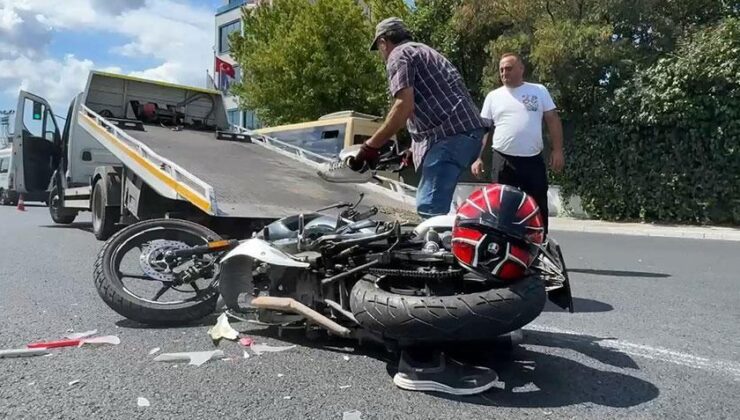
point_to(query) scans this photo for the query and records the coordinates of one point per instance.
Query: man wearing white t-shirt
(515, 112)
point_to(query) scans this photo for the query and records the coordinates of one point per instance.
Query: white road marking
(655, 353)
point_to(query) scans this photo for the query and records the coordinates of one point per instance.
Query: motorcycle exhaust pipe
(291, 305)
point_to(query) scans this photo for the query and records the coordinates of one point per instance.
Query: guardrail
(175, 171)
(392, 188)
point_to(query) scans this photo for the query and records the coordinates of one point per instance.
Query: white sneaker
(338, 172)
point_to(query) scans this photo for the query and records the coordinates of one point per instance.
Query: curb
(636, 229)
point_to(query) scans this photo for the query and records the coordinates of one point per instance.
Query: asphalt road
(656, 335)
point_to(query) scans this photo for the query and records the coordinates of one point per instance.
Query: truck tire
(58, 214)
(104, 217)
(478, 316)
(112, 291)
(5, 198)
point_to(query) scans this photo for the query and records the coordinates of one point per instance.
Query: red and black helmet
(497, 232)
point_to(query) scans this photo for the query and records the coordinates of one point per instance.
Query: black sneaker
(441, 373)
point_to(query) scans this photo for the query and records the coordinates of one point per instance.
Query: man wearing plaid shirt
(430, 98)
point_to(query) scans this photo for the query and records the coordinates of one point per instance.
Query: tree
(302, 59)
(668, 146)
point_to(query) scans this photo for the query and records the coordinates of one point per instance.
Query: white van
(7, 195)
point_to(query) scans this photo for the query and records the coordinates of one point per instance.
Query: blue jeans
(441, 169)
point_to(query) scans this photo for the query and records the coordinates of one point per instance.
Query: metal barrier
(388, 187)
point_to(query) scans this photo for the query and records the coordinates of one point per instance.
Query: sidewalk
(644, 229)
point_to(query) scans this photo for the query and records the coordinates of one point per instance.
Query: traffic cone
(21, 204)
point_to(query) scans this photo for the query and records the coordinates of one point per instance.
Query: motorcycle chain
(429, 275)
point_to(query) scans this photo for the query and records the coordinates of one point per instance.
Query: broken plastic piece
(106, 339)
(352, 415)
(77, 336)
(223, 329)
(346, 358)
(10, 353)
(195, 358)
(287, 397)
(280, 375)
(258, 349)
(75, 382)
(246, 354)
(154, 350)
(246, 341)
(142, 402)
(344, 386)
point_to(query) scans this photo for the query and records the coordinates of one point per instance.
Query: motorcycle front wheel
(133, 278)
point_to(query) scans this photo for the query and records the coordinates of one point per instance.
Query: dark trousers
(529, 174)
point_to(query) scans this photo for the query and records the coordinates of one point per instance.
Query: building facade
(229, 20)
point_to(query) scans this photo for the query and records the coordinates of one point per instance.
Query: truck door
(36, 144)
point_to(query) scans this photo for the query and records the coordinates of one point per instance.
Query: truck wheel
(4, 199)
(58, 214)
(104, 217)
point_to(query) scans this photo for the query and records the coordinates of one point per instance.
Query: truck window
(50, 127)
(4, 165)
(33, 117)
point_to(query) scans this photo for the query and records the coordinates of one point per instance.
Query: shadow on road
(528, 378)
(84, 226)
(581, 305)
(618, 273)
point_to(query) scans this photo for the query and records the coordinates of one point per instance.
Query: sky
(48, 47)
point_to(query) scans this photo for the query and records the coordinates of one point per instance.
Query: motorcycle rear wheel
(479, 316)
(109, 277)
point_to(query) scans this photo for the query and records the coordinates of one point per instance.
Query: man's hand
(557, 161)
(477, 169)
(368, 155)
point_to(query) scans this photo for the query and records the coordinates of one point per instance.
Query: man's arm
(555, 129)
(401, 110)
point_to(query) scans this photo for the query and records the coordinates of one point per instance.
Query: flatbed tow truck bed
(248, 179)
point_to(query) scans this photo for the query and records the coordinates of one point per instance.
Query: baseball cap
(385, 26)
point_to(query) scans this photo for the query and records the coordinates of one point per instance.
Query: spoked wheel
(135, 279)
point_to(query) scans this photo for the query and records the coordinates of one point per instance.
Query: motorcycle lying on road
(469, 276)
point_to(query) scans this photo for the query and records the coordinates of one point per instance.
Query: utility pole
(5, 127)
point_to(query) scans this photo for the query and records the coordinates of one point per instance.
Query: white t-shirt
(517, 116)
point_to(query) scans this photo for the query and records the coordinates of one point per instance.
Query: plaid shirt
(442, 105)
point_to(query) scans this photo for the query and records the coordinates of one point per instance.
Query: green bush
(667, 145)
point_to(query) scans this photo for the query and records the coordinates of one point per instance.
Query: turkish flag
(225, 68)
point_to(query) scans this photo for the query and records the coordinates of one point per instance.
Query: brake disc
(152, 260)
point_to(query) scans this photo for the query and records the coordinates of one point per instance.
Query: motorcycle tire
(111, 289)
(478, 316)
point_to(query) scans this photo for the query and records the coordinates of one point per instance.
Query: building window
(233, 116)
(223, 35)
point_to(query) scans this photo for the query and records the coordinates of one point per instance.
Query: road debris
(280, 375)
(77, 336)
(246, 341)
(352, 415)
(142, 402)
(154, 350)
(11, 353)
(344, 386)
(79, 342)
(246, 354)
(258, 349)
(287, 397)
(223, 329)
(75, 382)
(195, 358)
(346, 358)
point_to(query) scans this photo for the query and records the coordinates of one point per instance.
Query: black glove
(368, 156)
